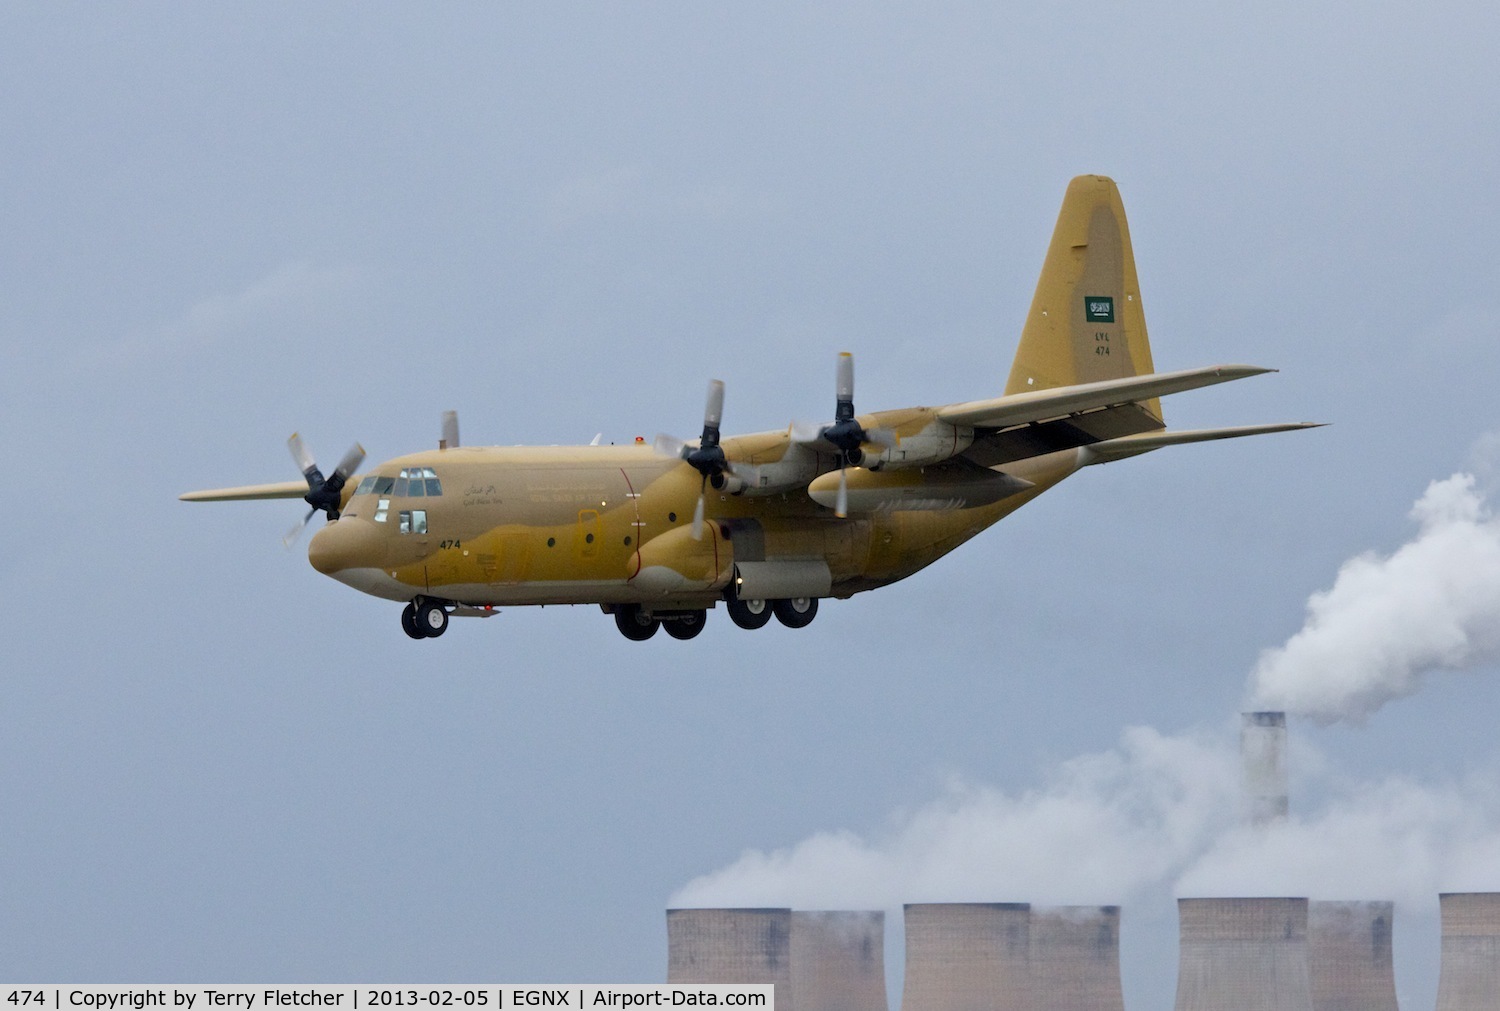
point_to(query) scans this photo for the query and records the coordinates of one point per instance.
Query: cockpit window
(413, 482)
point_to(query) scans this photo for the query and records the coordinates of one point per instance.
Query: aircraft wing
(1044, 405)
(281, 489)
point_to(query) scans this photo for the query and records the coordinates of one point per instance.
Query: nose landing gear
(424, 619)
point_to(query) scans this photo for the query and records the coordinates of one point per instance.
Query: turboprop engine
(936, 442)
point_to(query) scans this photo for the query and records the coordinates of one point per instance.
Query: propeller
(323, 493)
(707, 457)
(846, 435)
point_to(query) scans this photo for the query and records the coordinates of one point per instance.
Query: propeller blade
(844, 390)
(805, 432)
(350, 462)
(449, 439)
(748, 473)
(669, 445)
(883, 437)
(301, 454)
(713, 410)
(698, 517)
(291, 536)
(841, 501)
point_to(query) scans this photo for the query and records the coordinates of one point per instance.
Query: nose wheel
(424, 619)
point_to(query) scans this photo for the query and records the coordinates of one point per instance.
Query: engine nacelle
(937, 442)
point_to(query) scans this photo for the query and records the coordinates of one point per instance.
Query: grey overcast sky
(223, 223)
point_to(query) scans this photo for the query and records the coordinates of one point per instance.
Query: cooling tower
(838, 961)
(731, 946)
(967, 957)
(1243, 955)
(1263, 757)
(1470, 976)
(1075, 959)
(1349, 956)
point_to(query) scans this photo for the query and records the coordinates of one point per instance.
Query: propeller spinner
(707, 457)
(846, 435)
(323, 493)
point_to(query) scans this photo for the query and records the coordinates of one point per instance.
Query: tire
(798, 612)
(749, 613)
(409, 622)
(431, 619)
(686, 627)
(634, 624)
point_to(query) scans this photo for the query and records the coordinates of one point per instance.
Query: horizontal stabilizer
(281, 489)
(1043, 405)
(1145, 442)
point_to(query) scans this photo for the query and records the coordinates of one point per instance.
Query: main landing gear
(638, 625)
(424, 619)
(793, 612)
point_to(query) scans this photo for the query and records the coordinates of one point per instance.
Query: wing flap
(1043, 405)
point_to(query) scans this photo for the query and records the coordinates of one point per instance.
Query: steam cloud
(1157, 813)
(1388, 621)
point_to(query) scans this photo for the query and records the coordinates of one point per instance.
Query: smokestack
(1470, 973)
(731, 946)
(838, 960)
(1075, 959)
(1245, 954)
(1349, 956)
(964, 956)
(1263, 755)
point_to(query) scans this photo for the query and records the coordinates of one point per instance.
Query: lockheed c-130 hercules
(767, 524)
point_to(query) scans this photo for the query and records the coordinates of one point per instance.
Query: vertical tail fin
(1086, 321)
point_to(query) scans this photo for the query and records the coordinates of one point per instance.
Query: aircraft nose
(344, 544)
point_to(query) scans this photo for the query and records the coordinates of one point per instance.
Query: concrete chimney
(1263, 757)
(732, 946)
(1349, 956)
(1470, 975)
(1243, 954)
(838, 960)
(967, 957)
(1075, 959)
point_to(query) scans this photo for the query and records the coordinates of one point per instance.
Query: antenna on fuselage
(449, 439)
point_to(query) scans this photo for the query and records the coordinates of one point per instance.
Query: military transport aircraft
(768, 524)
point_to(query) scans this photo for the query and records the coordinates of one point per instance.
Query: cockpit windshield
(412, 482)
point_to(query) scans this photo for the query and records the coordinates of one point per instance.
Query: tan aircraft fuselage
(613, 525)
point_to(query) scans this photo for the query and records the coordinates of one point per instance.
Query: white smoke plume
(1156, 815)
(1388, 621)
(1117, 820)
